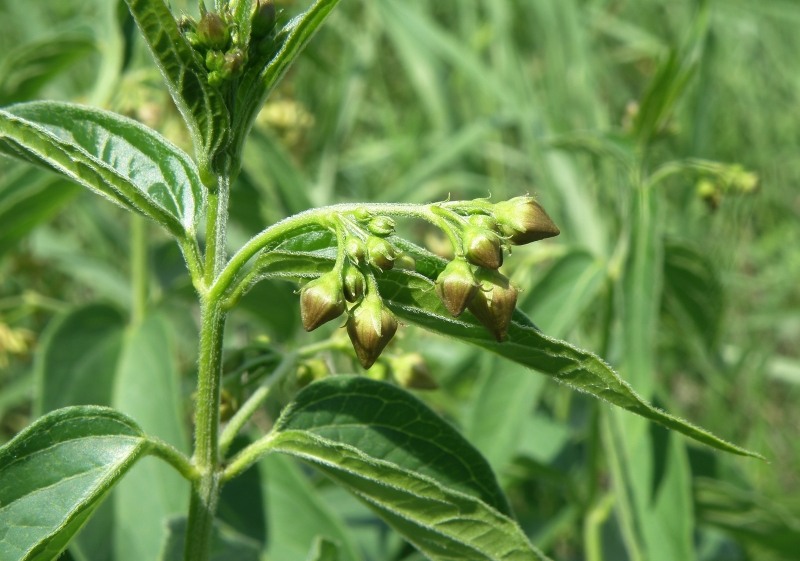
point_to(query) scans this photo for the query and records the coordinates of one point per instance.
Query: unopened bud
(233, 63)
(456, 286)
(311, 370)
(381, 226)
(405, 262)
(381, 254)
(482, 247)
(215, 60)
(353, 283)
(263, 18)
(523, 220)
(411, 371)
(355, 250)
(494, 303)
(321, 300)
(212, 32)
(370, 327)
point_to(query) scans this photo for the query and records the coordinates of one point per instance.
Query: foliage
(672, 263)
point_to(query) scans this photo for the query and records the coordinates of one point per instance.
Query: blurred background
(663, 139)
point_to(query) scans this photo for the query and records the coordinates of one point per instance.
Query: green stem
(139, 268)
(173, 457)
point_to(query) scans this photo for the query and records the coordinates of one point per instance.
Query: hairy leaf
(201, 105)
(111, 155)
(55, 473)
(407, 464)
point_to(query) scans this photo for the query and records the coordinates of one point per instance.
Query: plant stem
(139, 269)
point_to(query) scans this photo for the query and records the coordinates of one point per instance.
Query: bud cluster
(220, 43)
(471, 280)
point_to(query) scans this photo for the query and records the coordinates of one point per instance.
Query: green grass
(417, 101)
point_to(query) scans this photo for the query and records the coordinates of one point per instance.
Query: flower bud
(321, 300)
(411, 371)
(381, 226)
(263, 18)
(494, 303)
(215, 60)
(405, 262)
(353, 283)
(456, 286)
(311, 370)
(381, 254)
(355, 250)
(482, 247)
(212, 32)
(233, 63)
(370, 327)
(523, 220)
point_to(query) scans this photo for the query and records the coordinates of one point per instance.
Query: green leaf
(55, 473)
(76, 359)
(288, 497)
(201, 105)
(412, 297)
(388, 423)
(263, 74)
(226, 544)
(113, 156)
(323, 550)
(416, 471)
(147, 388)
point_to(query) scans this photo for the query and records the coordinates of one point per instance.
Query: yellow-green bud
(212, 32)
(483, 221)
(381, 254)
(411, 371)
(456, 286)
(405, 262)
(522, 220)
(370, 327)
(354, 283)
(381, 226)
(321, 300)
(215, 60)
(483, 247)
(311, 370)
(355, 249)
(494, 302)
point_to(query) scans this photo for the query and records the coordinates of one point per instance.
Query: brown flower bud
(482, 247)
(456, 286)
(523, 220)
(370, 327)
(381, 254)
(494, 303)
(212, 32)
(355, 250)
(411, 371)
(321, 300)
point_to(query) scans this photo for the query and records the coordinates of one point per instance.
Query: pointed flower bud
(381, 254)
(321, 300)
(523, 220)
(381, 226)
(411, 371)
(482, 247)
(263, 18)
(456, 286)
(353, 283)
(212, 32)
(355, 250)
(370, 327)
(494, 303)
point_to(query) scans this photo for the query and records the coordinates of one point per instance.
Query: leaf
(75, 361)
(202, 106)
(111, 155)
(323, 550)
(262, 75)
(406, 463)
(412, 297)
(147, 387)
(226, 544)
(55, 473)
(288, 497)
